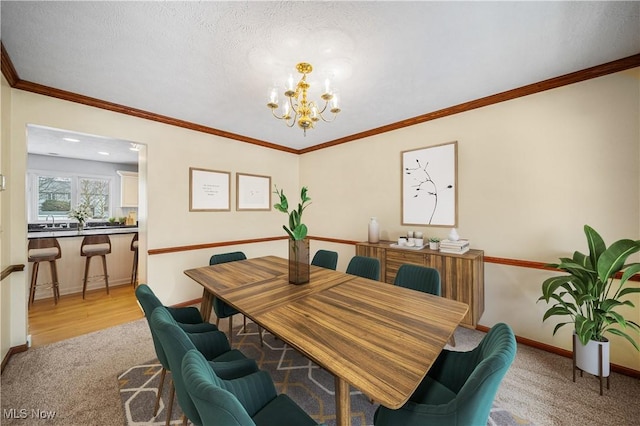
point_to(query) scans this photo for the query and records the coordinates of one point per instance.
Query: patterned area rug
(306, 383)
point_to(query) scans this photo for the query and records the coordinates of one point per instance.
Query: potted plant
(298, 241)
(434, 243)
(80, 213)
(590, 296)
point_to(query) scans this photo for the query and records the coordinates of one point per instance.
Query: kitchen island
(71, 264)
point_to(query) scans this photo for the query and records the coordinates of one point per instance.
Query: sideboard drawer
(398, 257)
(461, 276)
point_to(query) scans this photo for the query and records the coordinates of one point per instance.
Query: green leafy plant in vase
(297, 231)
(590, 296)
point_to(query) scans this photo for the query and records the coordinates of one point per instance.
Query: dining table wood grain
(379, 338)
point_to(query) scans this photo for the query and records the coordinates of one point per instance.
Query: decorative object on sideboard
(298, 241)
(434, 243)
(591, 295)
(374, 230)
(458, 246)
(453, 235)
(298, 109)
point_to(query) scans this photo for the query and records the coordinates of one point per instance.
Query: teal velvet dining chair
(366, 267)
(228, 363)
(251, 400)
(325, 259)
(420, 278)
(188, 318)
(460, 387)
(223, 310)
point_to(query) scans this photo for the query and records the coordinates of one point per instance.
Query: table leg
(206, 305)
(343, 403)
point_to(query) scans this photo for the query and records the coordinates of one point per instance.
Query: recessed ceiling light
(103, 153)
(71, 140)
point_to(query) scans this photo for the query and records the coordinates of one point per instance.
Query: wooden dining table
(379, 338)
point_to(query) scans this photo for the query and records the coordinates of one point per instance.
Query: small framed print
(253, 192)
(209, 190)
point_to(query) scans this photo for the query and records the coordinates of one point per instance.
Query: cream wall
(531, 173)
(165, 220)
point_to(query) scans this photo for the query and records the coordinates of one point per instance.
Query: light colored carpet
(76, 380)
(308, 385)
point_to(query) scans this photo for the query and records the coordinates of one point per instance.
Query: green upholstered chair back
(227, 257)
(366, 267)
(326, 259)
(460, 386)
(249, 400)
(420, 278)
(175, 343)
(222, 309)
(215, 405)
(149, 302)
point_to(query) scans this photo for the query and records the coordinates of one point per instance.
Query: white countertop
(65, 232)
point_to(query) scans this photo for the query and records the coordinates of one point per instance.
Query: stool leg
(54, 278)
(34, 278)
(104, 268)
(134, 270)
(86, 274)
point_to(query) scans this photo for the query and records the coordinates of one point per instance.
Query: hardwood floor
(73, 316)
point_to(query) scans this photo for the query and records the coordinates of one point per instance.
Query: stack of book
(456, 247)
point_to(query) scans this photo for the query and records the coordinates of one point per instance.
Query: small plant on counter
(112, 221)
(434, 240)
(296, 230)
(80, 213)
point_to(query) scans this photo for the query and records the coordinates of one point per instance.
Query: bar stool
(134, 270)
(95, 245)
(44, 250)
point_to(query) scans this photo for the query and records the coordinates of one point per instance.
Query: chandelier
(299, 109)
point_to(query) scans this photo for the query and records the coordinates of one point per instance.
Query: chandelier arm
(289, 122)
(322, 117)
(273, 111)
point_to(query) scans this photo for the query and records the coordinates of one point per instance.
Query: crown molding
(8, 70)
(552, 83)
(598, 71)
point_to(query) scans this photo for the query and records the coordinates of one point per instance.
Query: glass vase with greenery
(298, 242)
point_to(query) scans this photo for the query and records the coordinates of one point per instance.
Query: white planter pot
(588, 356)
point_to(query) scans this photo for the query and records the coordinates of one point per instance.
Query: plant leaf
(596, 244)
(300, 232)
(613, 258)
(625, 335)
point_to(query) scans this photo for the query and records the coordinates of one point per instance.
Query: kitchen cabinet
(461, 275)
(128, 189)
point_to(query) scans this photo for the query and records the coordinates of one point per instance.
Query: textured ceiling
(212, 63)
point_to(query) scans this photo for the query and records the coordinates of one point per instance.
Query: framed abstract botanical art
(429, 186)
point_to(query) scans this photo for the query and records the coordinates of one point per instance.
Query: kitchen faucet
(53, 220)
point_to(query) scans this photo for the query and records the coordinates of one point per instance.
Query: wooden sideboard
(461, 275)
